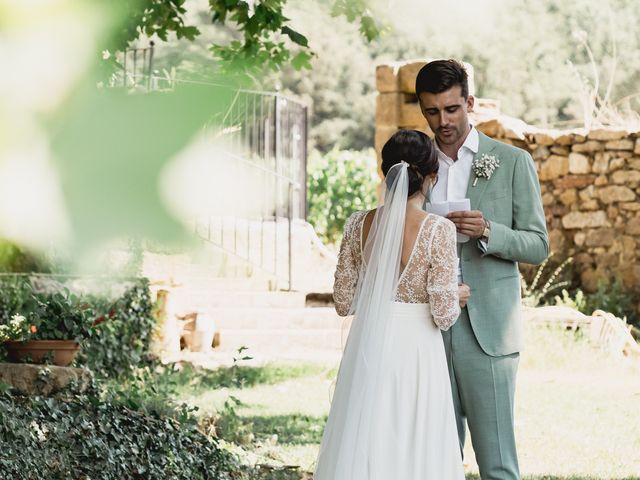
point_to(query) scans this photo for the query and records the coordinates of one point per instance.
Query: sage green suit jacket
(510, 200)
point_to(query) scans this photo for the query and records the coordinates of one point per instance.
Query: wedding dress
(392, 416)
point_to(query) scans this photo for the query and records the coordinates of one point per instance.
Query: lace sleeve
(442, 279)
(348, 268)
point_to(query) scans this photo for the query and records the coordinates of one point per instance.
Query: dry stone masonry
(590, 181)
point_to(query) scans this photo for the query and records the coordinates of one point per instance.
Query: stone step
(285, 319)
(282, 339)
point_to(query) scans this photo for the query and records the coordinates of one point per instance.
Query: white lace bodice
(430, 275)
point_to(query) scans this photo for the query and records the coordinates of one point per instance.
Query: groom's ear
(470, 103)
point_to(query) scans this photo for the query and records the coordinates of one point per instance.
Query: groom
(506, 224)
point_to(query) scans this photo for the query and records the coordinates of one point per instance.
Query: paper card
(437, 208)
(443, 208)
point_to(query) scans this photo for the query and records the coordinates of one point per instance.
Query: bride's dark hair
(417, 150)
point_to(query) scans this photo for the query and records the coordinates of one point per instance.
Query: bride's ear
(431, 180)
(429, 183)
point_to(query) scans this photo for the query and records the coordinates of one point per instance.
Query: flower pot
(62, 352)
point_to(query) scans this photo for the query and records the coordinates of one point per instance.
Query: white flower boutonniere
(484, 167)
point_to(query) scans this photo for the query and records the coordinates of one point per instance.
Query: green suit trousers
(483, 389)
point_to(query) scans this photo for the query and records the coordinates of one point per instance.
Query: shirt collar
(471, 143)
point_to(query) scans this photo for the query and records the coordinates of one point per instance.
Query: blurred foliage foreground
(128, 423)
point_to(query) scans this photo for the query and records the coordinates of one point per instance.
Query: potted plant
(52, 329)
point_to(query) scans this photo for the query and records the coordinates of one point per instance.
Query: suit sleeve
(526, 240)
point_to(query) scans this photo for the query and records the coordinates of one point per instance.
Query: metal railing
(266, 133)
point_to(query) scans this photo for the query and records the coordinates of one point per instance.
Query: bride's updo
(417, 150)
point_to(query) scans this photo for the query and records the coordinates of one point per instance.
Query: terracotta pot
(62, 351)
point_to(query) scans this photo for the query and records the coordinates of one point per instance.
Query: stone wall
(590, 181)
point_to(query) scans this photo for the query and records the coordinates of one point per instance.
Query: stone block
(543, 139)
(613, 194)
(601, 162)
(574, 181)
(569, 197)
(579, 239)
(606, 261)
(579, 163)
(514, 133)
(411, 115)
(590, 205)
(560, 150)
(382, 135)
(587, 147)
(548, 199)
(407, 75)
(601, 237)
(29, 379)
(540, 153)
(557, 241)
(630, 206)
(628, 252)
(633, 227)
(601, 181)
(583, 260)
(626, 177)
(637, 146)
(624, 144)
(554, 167)
(388, 109)
(634, 163)
(585, 220)
(617, 164)
(587, 193)
(387, 78)
(607, 134)
(564, 140)
(491, 128)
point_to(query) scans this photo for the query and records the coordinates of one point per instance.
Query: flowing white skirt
(412, 435)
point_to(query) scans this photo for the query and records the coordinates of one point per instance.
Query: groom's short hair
(440, 75)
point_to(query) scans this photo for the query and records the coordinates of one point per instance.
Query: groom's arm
(527, 239)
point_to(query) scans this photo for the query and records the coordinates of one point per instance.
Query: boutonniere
(484, 167)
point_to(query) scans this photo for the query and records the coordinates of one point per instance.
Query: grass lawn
(578, 410)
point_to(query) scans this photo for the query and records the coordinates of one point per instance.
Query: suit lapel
(474, 194)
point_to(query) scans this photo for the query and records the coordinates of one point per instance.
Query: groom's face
(447, 114)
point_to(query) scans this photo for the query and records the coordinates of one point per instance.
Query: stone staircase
(273, 324)
(244, 311)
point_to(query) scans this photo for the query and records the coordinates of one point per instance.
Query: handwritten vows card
(443, 208)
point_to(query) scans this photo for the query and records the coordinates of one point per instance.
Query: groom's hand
(464, 293)
(470, 223)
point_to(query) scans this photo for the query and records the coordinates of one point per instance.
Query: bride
(392, 415)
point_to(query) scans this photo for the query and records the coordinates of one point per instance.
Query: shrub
(340, 183)
(87, 436)
(122, 341)
(126, 322)
(614, 298)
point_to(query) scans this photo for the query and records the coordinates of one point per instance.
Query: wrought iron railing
(266, 133)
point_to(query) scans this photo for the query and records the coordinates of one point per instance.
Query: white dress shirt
(454, 175)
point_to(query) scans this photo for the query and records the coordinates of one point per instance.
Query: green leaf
(295, 36)
(302, 60)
